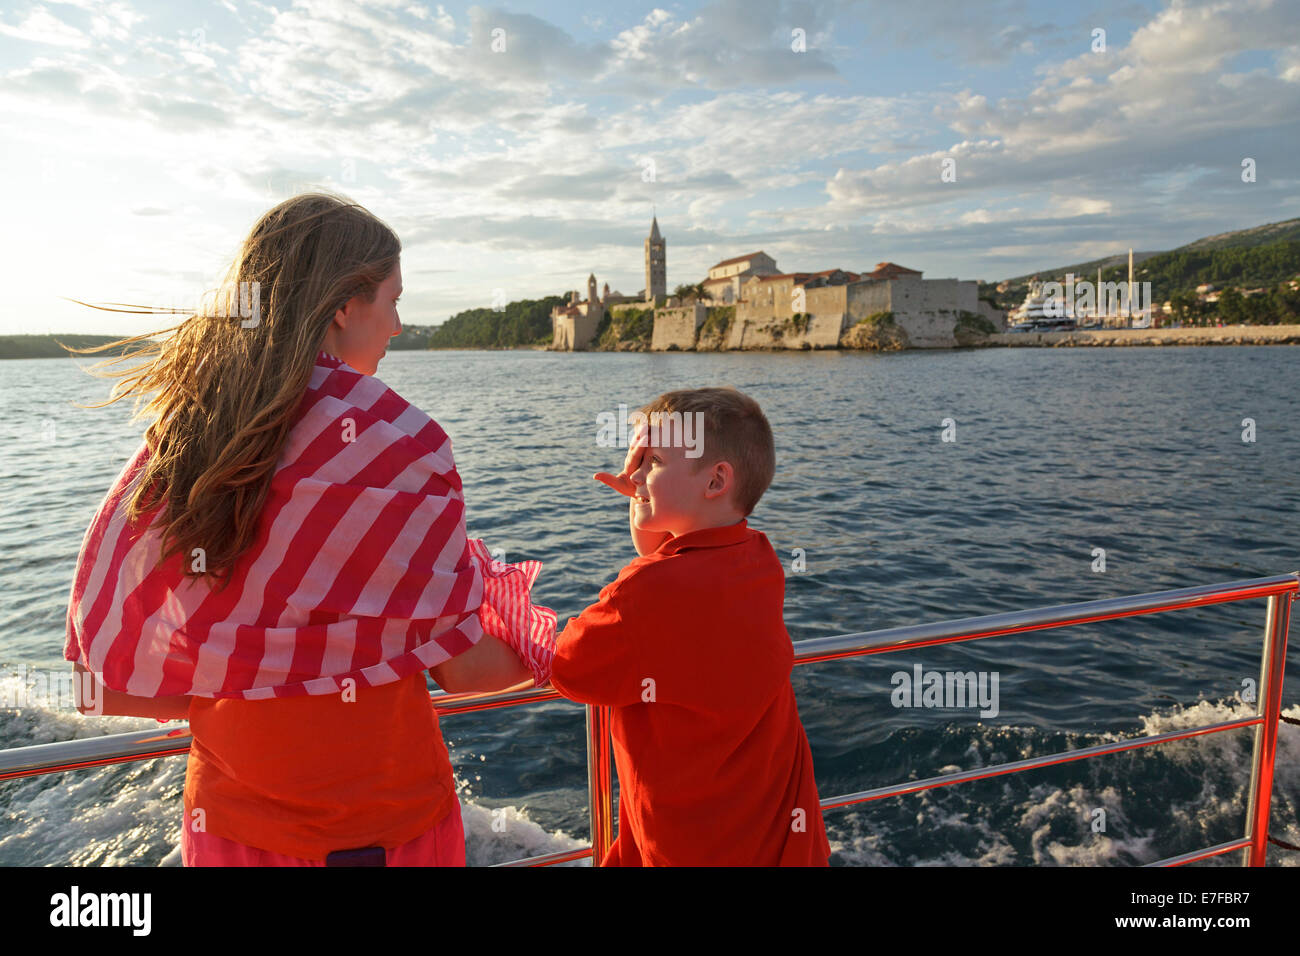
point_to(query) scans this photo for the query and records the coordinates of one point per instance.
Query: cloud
(729, 43)
(533, 156)
(991, 33)
(1138, 110)
(41, 26)
(519, 48)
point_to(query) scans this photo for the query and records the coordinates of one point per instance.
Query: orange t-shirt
(689, 649)
(305, 776)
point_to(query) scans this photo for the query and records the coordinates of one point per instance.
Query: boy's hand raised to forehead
(622, 482)
(645, 542)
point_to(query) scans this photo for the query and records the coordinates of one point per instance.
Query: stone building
(725, 278)
(814, 309)
(573, 325)
(608, 298)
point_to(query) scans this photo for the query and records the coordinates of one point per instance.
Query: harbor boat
(1041, 313)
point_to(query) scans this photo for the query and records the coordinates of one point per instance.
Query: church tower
(656, 263)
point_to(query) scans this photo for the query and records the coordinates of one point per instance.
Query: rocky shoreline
(888, 338)
(1220, 335)
(868, 338)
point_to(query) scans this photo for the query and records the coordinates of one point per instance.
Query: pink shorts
(441, 845)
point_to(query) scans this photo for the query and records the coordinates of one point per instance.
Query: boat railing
(1280, 591)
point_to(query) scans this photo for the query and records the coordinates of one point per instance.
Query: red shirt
(304, 776)
(689, 648)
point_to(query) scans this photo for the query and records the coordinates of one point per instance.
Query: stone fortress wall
(774, 310)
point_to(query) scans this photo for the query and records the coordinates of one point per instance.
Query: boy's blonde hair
(735, 431)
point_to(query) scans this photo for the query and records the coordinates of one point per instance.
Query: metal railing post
(1269, 706)
(600, 783)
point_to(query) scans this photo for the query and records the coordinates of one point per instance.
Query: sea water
(910, 487)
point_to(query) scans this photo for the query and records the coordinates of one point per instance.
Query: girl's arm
(95, 699)
(490, 665)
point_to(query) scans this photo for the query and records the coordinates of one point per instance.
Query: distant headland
(1234, 288)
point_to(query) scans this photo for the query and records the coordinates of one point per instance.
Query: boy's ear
(722, 478)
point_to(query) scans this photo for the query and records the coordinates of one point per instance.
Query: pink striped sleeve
(509, 613)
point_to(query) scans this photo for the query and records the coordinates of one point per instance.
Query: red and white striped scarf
(361, 568)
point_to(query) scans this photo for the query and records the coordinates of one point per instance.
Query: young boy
(689, 648)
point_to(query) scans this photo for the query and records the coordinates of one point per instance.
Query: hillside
(47, 346)
(1287, 230)
(1261, 257)
(1243, 238)
(1087, 269)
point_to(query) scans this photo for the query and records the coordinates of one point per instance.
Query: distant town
(748, 302)
(1245, 284)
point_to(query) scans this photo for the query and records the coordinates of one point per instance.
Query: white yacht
(1040, 313)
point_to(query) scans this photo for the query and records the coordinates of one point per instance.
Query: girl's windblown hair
(226, 385)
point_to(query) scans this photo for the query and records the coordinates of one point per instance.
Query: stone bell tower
(656, 263)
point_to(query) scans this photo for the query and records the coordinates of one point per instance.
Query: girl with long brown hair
(285, 557)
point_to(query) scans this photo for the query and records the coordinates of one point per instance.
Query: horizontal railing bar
(447, 704)
(149, 744)
(1037, 619)
(115, 748)
(550, 859)
(151, 740)
(1238, 844)
(1046, 760)
(85, 752)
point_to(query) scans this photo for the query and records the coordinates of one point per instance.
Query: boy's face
(671, 495)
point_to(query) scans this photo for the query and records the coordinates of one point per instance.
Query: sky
(515, 149)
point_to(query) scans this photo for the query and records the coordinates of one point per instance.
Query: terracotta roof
(727, 262)
(890, 268)
(800, 276)
(797, 276)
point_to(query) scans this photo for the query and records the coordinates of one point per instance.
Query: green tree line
(521, 323)
(1278, 306)
(1184, 269)
(47, 346)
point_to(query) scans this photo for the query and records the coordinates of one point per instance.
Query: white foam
(501, 834)
(1059, 822)
(131, 813)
